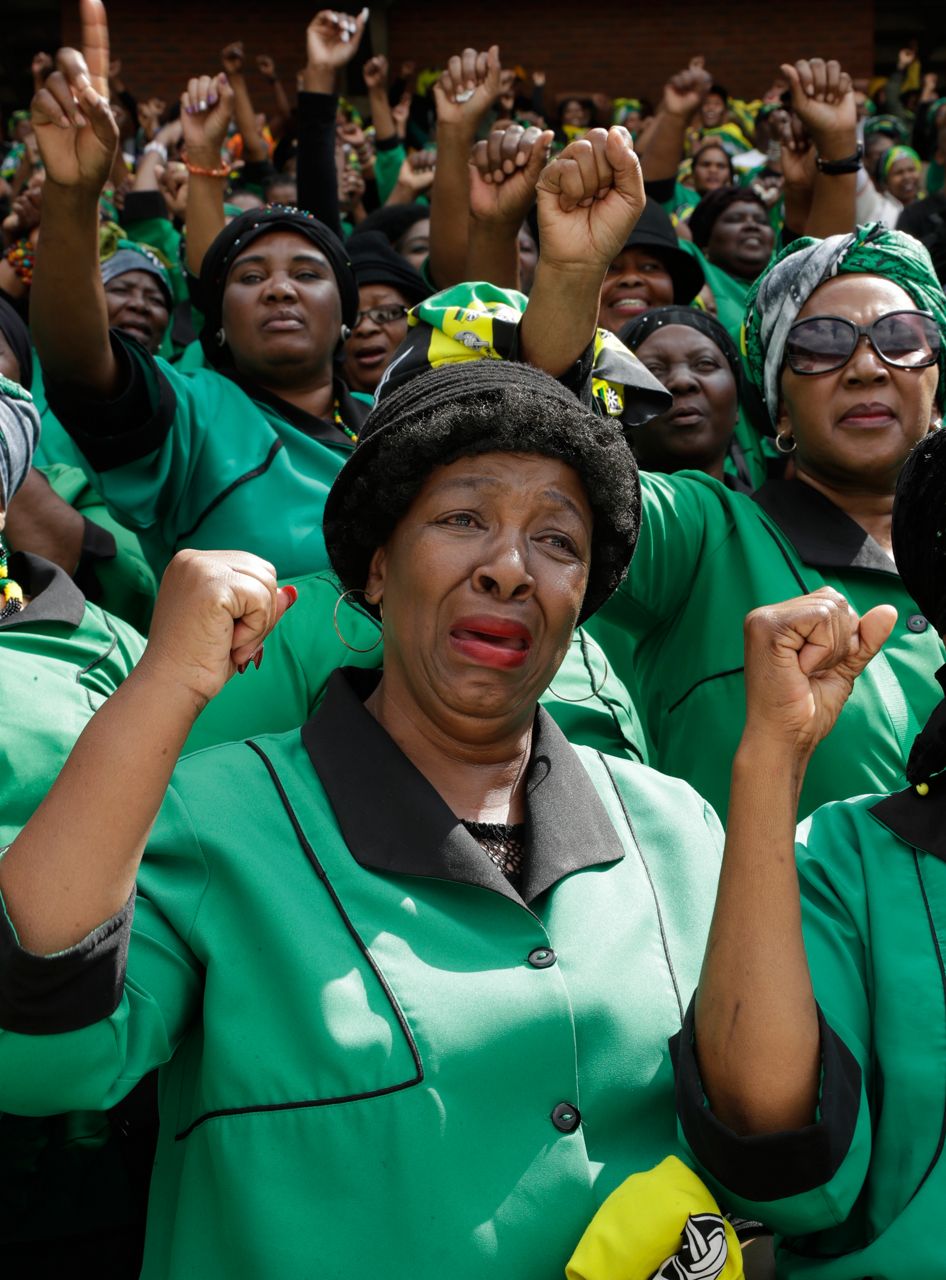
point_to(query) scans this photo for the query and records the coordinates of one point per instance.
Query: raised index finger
(94, 25)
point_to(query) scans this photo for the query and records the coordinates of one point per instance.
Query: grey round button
(542, 957)
(566, 1118)
(916, 622)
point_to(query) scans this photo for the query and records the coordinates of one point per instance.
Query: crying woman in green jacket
(408, 973)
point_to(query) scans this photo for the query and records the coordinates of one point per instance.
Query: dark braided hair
(460, 411)
(919, 548)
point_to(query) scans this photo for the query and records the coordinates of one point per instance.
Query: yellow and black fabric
(479, 321)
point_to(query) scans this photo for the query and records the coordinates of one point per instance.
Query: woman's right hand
(206, 112)
(802, 658)
(75, 129)
(213, 612)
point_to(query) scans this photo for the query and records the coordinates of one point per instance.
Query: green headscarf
(775, 299)
(895, 153)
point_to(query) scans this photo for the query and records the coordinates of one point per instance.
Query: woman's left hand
(802, 658)
(504, 169)
(823, 99)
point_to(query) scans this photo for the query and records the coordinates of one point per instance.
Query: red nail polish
(258, 657)
(293, 595)
(242, 666)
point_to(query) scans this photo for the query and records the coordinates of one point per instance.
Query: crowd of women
(578, 470)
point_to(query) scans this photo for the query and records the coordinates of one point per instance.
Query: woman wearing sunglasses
(843, 337)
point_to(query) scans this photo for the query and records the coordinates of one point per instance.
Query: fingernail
(258, 657)
(242, 666)
(292, 594)
(212, 99)
(81, 121)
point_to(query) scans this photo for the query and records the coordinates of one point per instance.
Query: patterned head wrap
(19, 436)
(895, 153)
(127, 255)
(774, 301)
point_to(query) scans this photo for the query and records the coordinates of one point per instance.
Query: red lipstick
(489, 641)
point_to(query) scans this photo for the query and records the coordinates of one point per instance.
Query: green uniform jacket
(59, 660)
(706, 557)
(378, 1059)
(200, 460)
(594, 709)
(860, 1192)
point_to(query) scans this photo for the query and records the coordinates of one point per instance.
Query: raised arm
(590, 198)
(463, 94)
(254, 146)
(375, 72)
(757, 1036)
(662, 150)
(504, 170)
(206, 111)
(823, 99)
(279, 119)
(74, 864)
(332, 40)
(77, 138)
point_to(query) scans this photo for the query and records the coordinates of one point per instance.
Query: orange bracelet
(223, 172)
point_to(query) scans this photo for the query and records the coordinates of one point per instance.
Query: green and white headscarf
(776, 298)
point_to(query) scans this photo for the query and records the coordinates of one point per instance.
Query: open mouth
(370, 357)
(491, 643)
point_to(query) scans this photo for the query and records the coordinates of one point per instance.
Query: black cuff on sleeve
(577, 379)
(47, 995)
(660, 189)
(388, 144)
(112, 433)
(316, 108)
(771, 1166)
(142, 205)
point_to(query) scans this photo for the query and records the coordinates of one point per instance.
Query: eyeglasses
(904, 339)
(381, 315)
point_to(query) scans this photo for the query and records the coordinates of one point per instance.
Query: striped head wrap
(776, 298)
(895, 153)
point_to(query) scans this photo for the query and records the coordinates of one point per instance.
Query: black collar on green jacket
(393, 820)
(820, 532)
(54, 596)
(353, 411)
(919, 821)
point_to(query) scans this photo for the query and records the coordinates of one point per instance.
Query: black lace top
(504, 843)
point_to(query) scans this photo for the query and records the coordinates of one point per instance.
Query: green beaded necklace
(11, 593)
(337, 414)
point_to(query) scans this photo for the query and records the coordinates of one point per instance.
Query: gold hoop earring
(352, 591)
(790, 447)
(595, 688)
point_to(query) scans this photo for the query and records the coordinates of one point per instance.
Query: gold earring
(352, 591)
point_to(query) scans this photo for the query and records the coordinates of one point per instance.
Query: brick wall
(625, 47)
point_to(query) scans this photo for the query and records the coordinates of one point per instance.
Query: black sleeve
(257, 175)
(97, 545)
(770, 1166)
(47, 995)
(112, 433)
(660, 189)
(143, 205)
(315, 165)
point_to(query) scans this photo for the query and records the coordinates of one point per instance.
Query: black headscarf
(375, 262)
(18, 340)
(235, 238)
(638, 330)
(703, 218)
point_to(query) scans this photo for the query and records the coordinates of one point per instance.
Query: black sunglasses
(904, 339)
(381, 315)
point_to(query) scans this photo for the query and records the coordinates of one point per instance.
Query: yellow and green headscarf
(775, 299)
(895, 153)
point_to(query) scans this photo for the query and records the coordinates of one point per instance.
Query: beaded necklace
(11, 593)
(20, 257)
(337, 417)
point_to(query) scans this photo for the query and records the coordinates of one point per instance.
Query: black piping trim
(225, 493)
(650, 881)
(402, 1021)
(84, 671)
(942, 977)
(805, 589)
(719, 675)
(599, 696)
(799, 1249)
